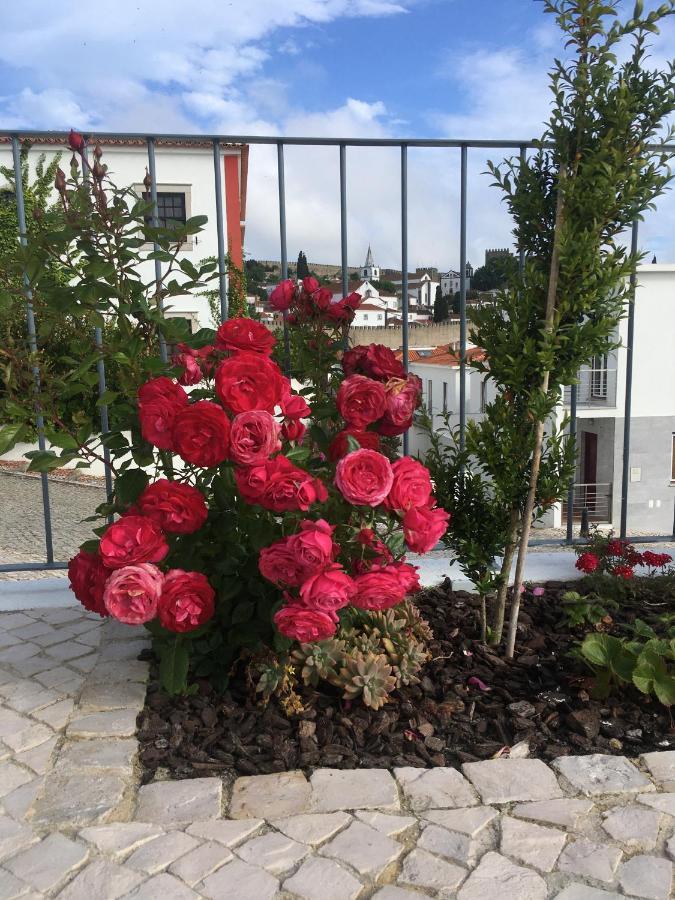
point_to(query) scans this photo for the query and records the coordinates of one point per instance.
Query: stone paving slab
(75, 824)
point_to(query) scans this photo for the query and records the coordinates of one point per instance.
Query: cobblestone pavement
(75, 825)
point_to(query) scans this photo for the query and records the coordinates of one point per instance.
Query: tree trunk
(505, 571)
(539, 427)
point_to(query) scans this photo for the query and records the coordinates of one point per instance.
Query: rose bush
(275, 506)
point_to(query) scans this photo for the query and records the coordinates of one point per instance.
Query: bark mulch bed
(538, 705)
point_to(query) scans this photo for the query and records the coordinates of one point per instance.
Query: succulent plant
(368, 676)
(319, 661)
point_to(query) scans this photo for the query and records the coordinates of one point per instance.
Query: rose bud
(74, 163)
(147, 181)
(60, 181)
(98, 153)
(75, 141)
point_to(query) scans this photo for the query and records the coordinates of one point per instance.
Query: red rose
(201, 434)
(293, 430)
(343, 310)
(304, 625)
(368, 440)
(424, 527)
(623, 571)
(188, 360)
(87, 576)
(329, 590)
(364, 477)
(75, 141)
(313, 546)
(159, 402)
(186, 602)
(655, 560)
(131, 540)
(132, 593)
(245, 334)
(407, 575)
(587, 562)
(294, 406)
(616, 547)
(381, 554)
(282, 295)
(361, 400)
(375, 361)
(249, 381)
(280, 486)
(403, 398)
(254, 437)
(379, 588)
(279, 564)
(411, 487)
(322, 299)
(310, 284)
(177, 508)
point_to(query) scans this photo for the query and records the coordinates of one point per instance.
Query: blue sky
(365, 68)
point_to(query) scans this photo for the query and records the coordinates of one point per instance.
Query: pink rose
(364, 477)
(310, 284)
(375, 361)
(379, 588)
(177, 508)
(88, 576)
(403, 398)
(280, 486)
(412, 485)
(424, 527)
(329, 590)
(407, 575)
(249, 381)
(339, 446)
(313, 546)
(280, 564)
(132, 593)
(361, 401)
(282, 295)
(186, 602)
(132, 540)
(254, 437)
(304, 625)
(188, 359)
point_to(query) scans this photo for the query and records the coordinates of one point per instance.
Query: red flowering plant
(274, 521)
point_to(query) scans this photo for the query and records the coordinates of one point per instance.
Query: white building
(185, 188)
(451, 280)
(421, 290)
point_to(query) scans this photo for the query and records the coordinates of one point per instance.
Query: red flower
(407, 575)
(132, 540)
(403, 398)
(304, 625)
(188, 359)
(245, 334)
(616, 547)
(201, 434)
(381, 553)
(655, 560)
(622, 571)
(339, 446)
(254, 437)
(279, 564)
(279, 486)
(342, 311)
(249, 381)
(75, 141)
(313, 545)
(310, 284)
(132, 593)
(159, 402)
(375, 361)
(587, 562)
(379, 588)
(294, 406)
(186, 602)
(282, 295)
(177, 508)
(293, 430)
(361, 400)
(322, 299)
(364, 477)
(424, 527)
(412, 485)
(87, 576)
(329, 590)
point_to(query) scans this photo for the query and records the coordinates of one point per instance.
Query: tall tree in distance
(302, 269)
(441, 306)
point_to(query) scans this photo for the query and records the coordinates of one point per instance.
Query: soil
(470, 705)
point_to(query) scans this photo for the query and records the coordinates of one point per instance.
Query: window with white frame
(599, 376)
(430, 395)
(174, 207)
(483, 395)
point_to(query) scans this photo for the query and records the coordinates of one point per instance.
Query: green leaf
(174, 661)
(90, 546)
(243, 612)
(130, 484)
(10, 435)
(43, 460)
(58, 439)
(651, 675)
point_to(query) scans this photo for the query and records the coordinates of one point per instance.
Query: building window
(672, 460)
(365, 316)
(171, 208)
(483, 395)
(430, 402)
(445, 397)
(599, 376)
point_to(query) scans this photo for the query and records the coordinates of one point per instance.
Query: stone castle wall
(432, 335)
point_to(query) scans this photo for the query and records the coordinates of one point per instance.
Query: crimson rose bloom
(329, 590)
(189, 360)
(304, 625)
(313, 546)
(655, 560)
(424, 527)
(407, 575)
(249, 381)
(364, 477)
(375, 361)
(87, 576)
(280, 486)
(310, 284)
(403, 398)
(177, 508)
(368, 440)
(186, 602)
(622, 571)
(131, 540)
(282, 295)
(616, 547)
(343, 310)
(159, 402)
(201, 434)
(587, 562)
(245, 334)
(411, 487)
(279, 564)
(75, 141)
(294, 406)
(293, 430)
(131, 594)
(380, 588)
(254, 437)
(361, 400)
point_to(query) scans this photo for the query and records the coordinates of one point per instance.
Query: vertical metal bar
(521, 249)
(284, 249)
(222, 270)
(343, 231)
(158, 266)
(570, 487)
(404, 270)
(625, 471)
(32, 342)
(462, 298)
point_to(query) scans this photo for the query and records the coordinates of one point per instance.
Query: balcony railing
(596, 498)
(596, 388)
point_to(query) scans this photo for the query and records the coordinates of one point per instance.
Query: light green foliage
(368, 676)
(588, 609)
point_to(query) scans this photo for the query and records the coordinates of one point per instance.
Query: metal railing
(596, 388)
(596, 499)
(342, 145)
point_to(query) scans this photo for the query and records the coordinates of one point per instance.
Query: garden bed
(470, 705)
